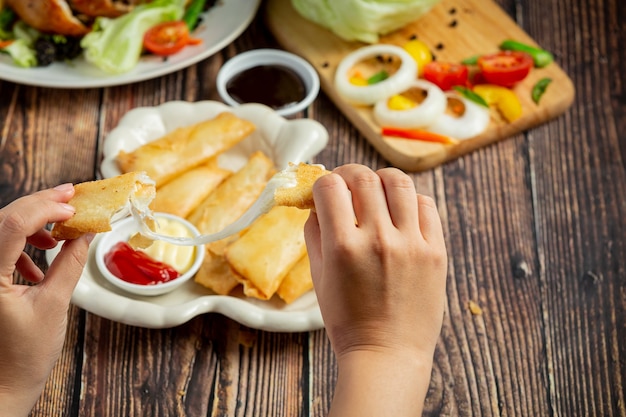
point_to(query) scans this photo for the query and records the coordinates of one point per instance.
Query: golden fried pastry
(222, 207)
(97, 202)
(297, 281)
(233, 196)
(263, 256)
(186, 147)
(301, 195)
(184, 193)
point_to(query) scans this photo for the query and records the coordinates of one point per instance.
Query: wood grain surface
(454, 30)
(535, 227)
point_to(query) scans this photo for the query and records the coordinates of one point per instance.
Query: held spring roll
(97, 203)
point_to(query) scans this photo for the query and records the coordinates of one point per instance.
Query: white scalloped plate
(220, 26)
(284, 141)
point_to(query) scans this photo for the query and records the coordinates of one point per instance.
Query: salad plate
(220, 25)
(280, 139)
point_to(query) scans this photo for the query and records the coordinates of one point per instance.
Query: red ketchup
(137, 267)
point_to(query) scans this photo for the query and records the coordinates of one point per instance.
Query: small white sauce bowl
(122, 231)
(257, 57)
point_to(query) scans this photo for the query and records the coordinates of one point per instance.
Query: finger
(401, 198)
(27, 268)
(27, 216)
(42, 240)
(313, 240)
(333, 206)
(66, 269)
(429, 220)
(368, 194)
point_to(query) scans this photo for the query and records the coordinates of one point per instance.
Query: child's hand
(378, 261)
(33, 318)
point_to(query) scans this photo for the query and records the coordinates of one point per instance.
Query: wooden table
(535, 227)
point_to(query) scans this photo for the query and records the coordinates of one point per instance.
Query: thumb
(66, 269)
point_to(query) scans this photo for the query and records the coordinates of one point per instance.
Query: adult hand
(33, 318)
(378, 261)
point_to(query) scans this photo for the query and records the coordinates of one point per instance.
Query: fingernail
(68, 207)
(64, 187)
(89, 237)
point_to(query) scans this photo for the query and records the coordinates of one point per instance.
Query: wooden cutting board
(454, 30)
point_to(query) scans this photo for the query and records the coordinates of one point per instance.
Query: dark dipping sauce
(276, 86)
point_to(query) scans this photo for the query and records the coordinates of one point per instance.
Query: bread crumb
(474, 308)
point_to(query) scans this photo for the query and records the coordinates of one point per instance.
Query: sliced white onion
(472, 122)
(426, 113)
(370, 94)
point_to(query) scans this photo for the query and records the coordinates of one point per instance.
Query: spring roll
(184, 193)
(222, 207)
(301, 195)
(234, 195)
(184, 148)
(98, 202)
(263, 256)
(297, 281)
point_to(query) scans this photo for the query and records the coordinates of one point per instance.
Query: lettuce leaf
(362, 20)
(21, 52)
(115, 45)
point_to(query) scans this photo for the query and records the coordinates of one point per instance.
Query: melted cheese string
(263, 204)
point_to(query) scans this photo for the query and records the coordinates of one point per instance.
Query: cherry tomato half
(505, 68)
(446, 75)
(166, 38)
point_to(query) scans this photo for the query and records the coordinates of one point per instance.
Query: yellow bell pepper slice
(502, 98)
(398, 102)
(420, 53)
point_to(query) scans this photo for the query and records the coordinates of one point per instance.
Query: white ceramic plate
(220, 26)
(284, 141)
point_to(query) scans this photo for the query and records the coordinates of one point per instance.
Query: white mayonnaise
(179, 257)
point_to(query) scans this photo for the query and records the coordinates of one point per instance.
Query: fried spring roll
(301, 195)
(184, 148)
(297, 281)
(222, 207)
(233, 196)
(185, 192)
(97, 202)
(263, 256)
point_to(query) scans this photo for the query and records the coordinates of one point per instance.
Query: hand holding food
(33, 318)
(378, 260)
(97, 202)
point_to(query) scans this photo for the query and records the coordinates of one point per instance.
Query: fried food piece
(48, 16)
(233, 196)
(215, 273)
(222, 207)
(97, 202)
(187, 147)
(301, 195)
(297, 281)
(264, 255)
(184, 193)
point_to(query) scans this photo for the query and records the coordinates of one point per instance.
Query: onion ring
(370, 94)
(474, 121)
(426, 113)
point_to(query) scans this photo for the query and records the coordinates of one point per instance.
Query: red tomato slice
(446, 75)
(166, 38)
(505, 68)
